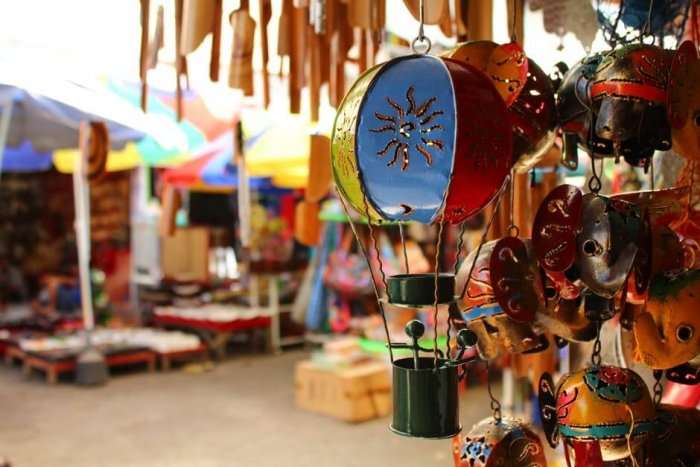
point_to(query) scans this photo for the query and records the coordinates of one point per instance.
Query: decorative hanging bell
(500, 443)
(602, 414)
(628, 98)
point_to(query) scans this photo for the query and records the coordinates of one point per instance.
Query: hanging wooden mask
(628, 98)
(594, 411)
(667, 332)
(421, 138)
(496, 332)
(684, 101)
(508, 443)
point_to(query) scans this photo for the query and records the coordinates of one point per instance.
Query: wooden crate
(355, 394)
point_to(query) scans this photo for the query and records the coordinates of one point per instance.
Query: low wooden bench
(166, 359)
(56, 363)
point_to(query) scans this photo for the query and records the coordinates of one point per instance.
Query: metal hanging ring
(421, 45)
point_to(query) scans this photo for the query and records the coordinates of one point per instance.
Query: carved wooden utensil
(241, 69)
(265, 8)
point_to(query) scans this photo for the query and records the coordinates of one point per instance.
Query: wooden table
(54, 363)
(215, 333)
(167, 358)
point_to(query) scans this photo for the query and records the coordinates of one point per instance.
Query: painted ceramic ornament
(684, 101)
(667, 332)
(602, 414)
(423, 139)
(628, 98)
(496, 332)
(505, 443)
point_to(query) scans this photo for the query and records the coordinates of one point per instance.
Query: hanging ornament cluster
(436, 140)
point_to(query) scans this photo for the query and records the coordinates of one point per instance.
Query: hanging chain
(421, 44)
(595, 183)
(438, 245)
(597, 346)
(652, 181)
(403, 245)
(658, 387)
(495, 403)
(365, 255)
(513, 229)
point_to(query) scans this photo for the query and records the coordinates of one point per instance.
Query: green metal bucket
(426, 404)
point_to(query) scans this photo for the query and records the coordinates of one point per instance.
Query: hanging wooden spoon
(265, 8)
(214, 61)
(241, 68)
(433, 10)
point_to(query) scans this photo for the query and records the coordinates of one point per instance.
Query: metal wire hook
(421, 38)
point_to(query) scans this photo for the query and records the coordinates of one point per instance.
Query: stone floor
(241, 414)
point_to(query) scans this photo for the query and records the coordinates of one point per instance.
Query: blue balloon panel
(405, 138)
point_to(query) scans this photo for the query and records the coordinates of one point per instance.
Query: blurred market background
(215, 300)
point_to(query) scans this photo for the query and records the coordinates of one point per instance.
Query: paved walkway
(241, 414)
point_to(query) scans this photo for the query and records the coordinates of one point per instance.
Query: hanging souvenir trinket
(421, 139)
(500, 443)
(667, 332)
(601, 413)
(497, 333)
(589, 237)
(684, 101)
(526, 90)
(628, 98)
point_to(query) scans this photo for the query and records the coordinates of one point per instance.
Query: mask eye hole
(684, 333)
(591, 248)
(696, 119)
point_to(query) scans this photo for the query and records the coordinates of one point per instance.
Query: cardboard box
(185, 255)
(355, 394)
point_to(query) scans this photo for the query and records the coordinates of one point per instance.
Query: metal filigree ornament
(505, 443)
(602, 414)
(421, 139)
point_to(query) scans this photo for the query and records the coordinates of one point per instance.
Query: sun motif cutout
(410, 128)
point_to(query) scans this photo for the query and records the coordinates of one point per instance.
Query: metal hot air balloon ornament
(423, 139)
